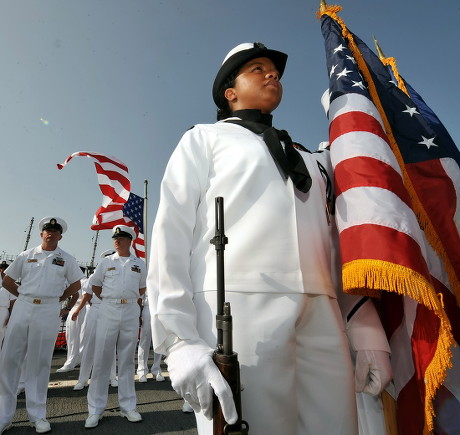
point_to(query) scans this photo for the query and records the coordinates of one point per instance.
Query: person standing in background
(119, 280)
(44, 272)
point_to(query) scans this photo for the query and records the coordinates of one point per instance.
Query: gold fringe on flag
(360, 275)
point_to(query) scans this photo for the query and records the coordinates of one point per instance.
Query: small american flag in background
(396, 185)
(134, 210)
(119, 205)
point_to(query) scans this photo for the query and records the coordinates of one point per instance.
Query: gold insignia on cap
(53, 221)
(117, 231)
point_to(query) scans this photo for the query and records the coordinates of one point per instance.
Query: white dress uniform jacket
(228, 160)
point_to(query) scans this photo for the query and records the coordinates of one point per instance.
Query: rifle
(224, 357)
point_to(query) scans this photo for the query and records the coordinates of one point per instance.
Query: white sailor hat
(123, 231)
(108, 252)
(48, 223)
(238, 56)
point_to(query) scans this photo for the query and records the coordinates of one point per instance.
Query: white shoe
(132, 416)
(159, 377)
(143, 378)
(186, 407)
(65, 369)
(80, 385)
(41, 426)
(92, 420)
(5, 427)
(113, 383)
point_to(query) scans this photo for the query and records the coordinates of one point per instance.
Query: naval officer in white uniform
(44, 272)
(119, 280)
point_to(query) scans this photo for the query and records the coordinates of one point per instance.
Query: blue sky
(127, 77)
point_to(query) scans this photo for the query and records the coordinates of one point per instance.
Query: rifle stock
(224, 356)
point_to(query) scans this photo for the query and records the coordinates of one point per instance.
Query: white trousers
(32, 330)
(88, 343)
(295, 364)
(72, 336)
(143, 350)
(117, 327)
(4, 315)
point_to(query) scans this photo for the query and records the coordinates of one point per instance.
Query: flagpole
(91, 264)
(377, 47)
(145, 223)
(322, 5)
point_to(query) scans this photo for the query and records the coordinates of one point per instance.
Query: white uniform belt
(119, 301)
(38, 300)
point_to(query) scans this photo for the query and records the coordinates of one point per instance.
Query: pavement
(158, 403)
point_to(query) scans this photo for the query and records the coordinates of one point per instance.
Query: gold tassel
(369, 277)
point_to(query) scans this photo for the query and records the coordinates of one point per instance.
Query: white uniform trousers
(117, 326)
(88, 343)
(4, 314)
(32, 329)
(296, 370)
(72, 336)
(143, 350)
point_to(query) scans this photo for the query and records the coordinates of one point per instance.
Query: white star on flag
(428, 142)
(339, 48)
(351, 58)
(332, 70)
(344, 73)
(358, 84)
(411, 111)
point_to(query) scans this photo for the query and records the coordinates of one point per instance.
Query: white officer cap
(108, 252)
(52, 222)
(123, 231)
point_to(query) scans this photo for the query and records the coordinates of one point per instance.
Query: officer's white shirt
(278, 236)
(120, 277)
(44, 273)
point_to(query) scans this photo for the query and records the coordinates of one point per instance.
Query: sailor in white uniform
(6, 304)
(119, 280)
(287, 326)
(33, 327)
(143, 348)
(88, 334)
(73, 330)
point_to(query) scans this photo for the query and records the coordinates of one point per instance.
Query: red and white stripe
(112, 175)
(374, 214)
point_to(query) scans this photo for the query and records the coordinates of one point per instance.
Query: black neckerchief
(288, 159)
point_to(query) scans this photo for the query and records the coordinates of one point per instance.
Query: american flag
(119, 205)
(447, 176)
(378, 142)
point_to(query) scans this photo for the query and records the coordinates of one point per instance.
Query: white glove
(372, 371)
(194, 376)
